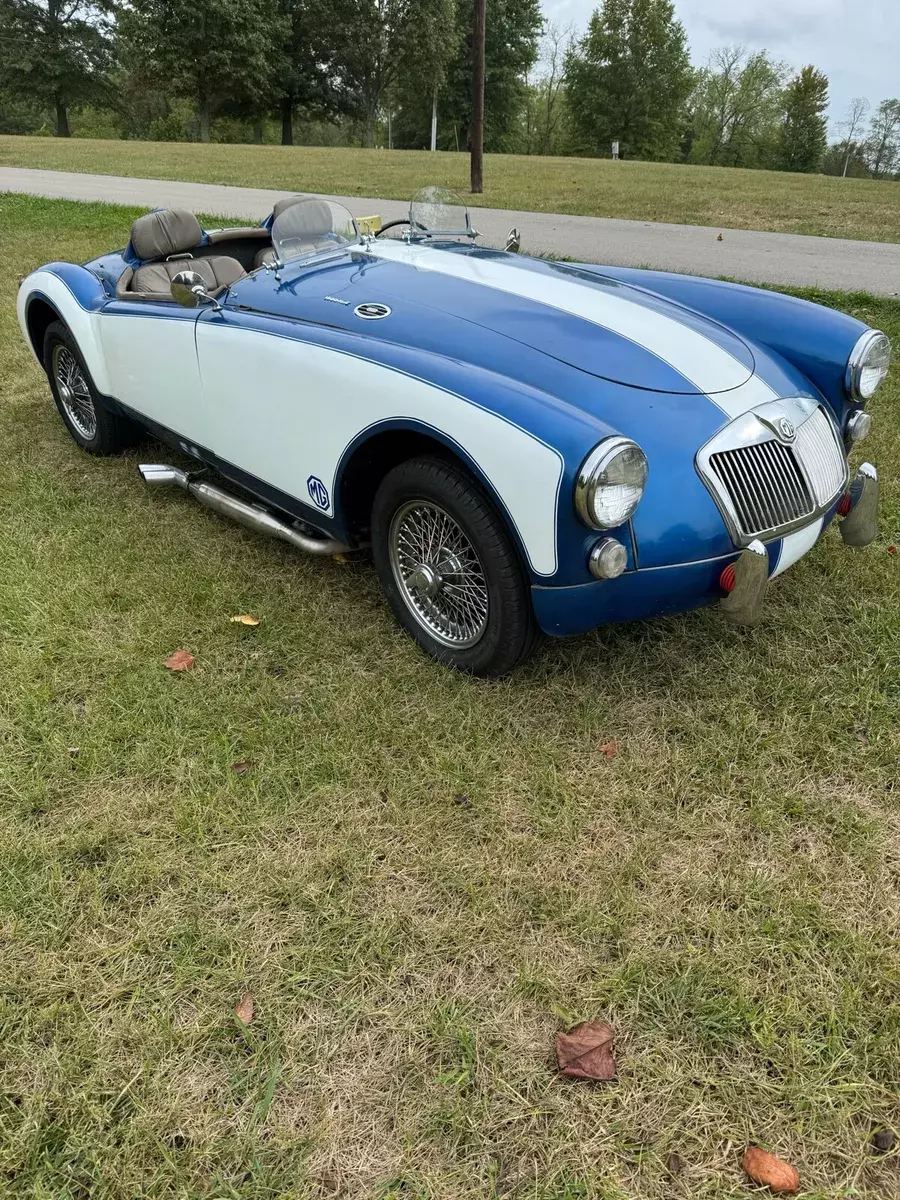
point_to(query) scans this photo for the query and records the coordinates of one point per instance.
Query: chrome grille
(765, 485)
(826, 467)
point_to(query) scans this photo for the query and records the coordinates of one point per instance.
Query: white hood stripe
(699, 359)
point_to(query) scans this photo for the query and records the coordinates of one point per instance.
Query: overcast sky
(855, 42)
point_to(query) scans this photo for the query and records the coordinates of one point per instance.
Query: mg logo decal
(318, 492)
(786, 429)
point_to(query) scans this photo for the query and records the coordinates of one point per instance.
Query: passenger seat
(159, 235)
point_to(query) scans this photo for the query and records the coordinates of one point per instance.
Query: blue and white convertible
(523, 445)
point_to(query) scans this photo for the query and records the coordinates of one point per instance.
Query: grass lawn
(773, 200)
(421, 877)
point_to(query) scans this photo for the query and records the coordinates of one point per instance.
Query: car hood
(451, 298)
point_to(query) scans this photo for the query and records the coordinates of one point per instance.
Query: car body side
(251, 390)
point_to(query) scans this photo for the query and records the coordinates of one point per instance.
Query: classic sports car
(524, 445)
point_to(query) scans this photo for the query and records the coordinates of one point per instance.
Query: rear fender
(77, 297)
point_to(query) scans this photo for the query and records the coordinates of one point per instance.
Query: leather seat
(216, 272)
(160, 235)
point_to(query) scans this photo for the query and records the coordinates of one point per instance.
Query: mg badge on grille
(786, 429)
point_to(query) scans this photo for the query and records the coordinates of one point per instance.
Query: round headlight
(610, 483)
(868, 364)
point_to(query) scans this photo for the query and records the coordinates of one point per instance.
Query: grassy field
(785, 203)
(421, 877)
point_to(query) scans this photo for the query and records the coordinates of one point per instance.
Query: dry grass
(422, 876)
(726, 198)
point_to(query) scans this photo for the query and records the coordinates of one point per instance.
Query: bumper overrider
(745, 580)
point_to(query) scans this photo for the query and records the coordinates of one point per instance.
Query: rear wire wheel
(80, 405)
(450, 570)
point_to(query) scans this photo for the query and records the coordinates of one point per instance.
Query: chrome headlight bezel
(857, 362)
(590, 479)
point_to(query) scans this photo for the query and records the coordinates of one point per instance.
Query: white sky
(855, 42)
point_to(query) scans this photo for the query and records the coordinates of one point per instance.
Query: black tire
(91, 425)
(508, 633)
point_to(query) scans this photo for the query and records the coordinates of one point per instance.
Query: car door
(150, 351)
(271, 388)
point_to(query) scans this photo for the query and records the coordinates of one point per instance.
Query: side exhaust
(228, 505)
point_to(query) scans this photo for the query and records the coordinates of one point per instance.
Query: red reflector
(844, 504)
(726, 579)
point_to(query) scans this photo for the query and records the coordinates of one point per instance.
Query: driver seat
(165, 240)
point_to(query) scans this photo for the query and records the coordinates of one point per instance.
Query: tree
(56, 53)
(882, 147)
(628, 80)
(511, 47)
(548, 91)
(803, 134)
(211, 51)
(851, 126)
(380, 43)
(736, 109)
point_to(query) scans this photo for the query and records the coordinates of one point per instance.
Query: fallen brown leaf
(775, 1174)
(720, 238)
(675, 1164)
(179, 661)
(244, 619)
(243, 1010)
(242, 767)
(892, 549)
(586, 1052)
(610, 749)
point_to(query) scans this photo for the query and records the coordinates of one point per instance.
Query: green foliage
(883, 143)
(382, 45)
(629, 80)
(55, 54)
(803, 134)
(210, 51)
(736, 110)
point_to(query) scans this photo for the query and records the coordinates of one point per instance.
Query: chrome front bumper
(747, 578)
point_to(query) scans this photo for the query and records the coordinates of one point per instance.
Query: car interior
(171, 240)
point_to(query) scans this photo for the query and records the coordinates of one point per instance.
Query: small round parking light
(859, 425)
(608, 559)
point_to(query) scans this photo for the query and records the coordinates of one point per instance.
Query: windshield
(306, 226)
(438, 212)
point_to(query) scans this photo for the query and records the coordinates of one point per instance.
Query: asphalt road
(777, 258)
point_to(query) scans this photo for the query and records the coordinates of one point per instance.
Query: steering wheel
(400, 221)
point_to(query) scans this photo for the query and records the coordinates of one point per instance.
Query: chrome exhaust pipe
(228, 505)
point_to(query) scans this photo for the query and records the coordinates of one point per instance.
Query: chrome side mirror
(513, 241)
(189, 290)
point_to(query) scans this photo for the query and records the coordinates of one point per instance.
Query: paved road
(779, 258)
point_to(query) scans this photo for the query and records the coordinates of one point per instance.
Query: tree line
(375, 73)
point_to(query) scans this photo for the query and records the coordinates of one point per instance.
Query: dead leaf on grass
(179, 661)
(610, 749)
(242, 767)
(244, 619)
(243, 1010)
(586, 1052)
(675, 1164)
(892, 549)
(771, 1171)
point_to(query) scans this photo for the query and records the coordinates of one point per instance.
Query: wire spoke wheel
(439, 574)
(74, 393)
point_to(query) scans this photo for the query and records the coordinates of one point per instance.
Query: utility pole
(477, 146)
(434, 120)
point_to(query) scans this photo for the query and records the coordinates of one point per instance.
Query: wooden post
(477, 146)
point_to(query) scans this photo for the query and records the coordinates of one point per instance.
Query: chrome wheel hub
(439, 574)
(74, 393)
